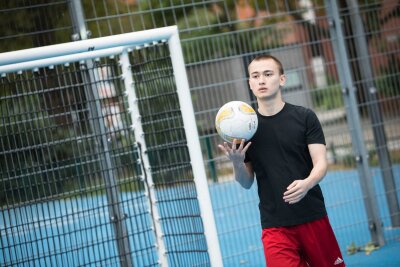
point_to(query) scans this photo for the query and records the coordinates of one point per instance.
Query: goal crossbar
(84, 49)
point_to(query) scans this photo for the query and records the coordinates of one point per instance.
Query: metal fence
(342, 61)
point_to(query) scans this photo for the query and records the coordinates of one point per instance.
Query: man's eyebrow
(256, 72)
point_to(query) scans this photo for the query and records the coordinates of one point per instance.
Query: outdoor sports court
(108, 148)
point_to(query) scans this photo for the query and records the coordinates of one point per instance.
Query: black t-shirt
(279, 155)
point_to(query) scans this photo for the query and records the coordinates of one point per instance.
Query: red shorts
(309, 244)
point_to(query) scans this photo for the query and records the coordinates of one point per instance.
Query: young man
(287, 154)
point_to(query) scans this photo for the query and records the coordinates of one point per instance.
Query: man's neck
(271, 107)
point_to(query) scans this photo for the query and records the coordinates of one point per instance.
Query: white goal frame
(80, 51)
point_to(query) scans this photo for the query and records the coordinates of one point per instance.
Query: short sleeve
(314, 132)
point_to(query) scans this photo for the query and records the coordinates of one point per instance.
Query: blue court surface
(236, 214)
(346, 211)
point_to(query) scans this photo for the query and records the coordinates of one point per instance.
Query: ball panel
(246, 109)
(224, 113)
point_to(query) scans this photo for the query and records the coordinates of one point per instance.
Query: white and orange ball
(236, 120)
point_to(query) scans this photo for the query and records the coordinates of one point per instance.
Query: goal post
(195, 153)
(120, 46)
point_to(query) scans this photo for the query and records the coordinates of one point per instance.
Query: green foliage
(198, 18)
(231, 44)
(20, 19)
(230, 37)
(374, 158)
(164, 13)
(328, 98)
(25, 134)
(161, 116)
(387, 83)
(112, 17)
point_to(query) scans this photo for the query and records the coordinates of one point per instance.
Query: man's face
(265, 79)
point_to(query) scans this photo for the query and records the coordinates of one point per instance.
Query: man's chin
(268, 97)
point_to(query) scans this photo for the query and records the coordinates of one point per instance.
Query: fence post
(117, 215)
(374, 111)
(353, 119)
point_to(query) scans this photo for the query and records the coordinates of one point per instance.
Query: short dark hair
(277, 61)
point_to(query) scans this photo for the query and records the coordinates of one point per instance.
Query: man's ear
(282, 80)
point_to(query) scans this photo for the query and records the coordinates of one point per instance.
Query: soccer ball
(236, 120)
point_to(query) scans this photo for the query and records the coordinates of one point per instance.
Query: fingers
(241, 145)
(293, 184)
(290, 191)
(295, 193)
(224, 148)
(234, 141)
(233, 150)
(294, 200)
(289, 195)
(234, 146)
(246, 147)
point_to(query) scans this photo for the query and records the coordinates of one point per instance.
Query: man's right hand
(244, 173)
(235, 153)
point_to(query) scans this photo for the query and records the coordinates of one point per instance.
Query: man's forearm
(317, 173)
(320, 164)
